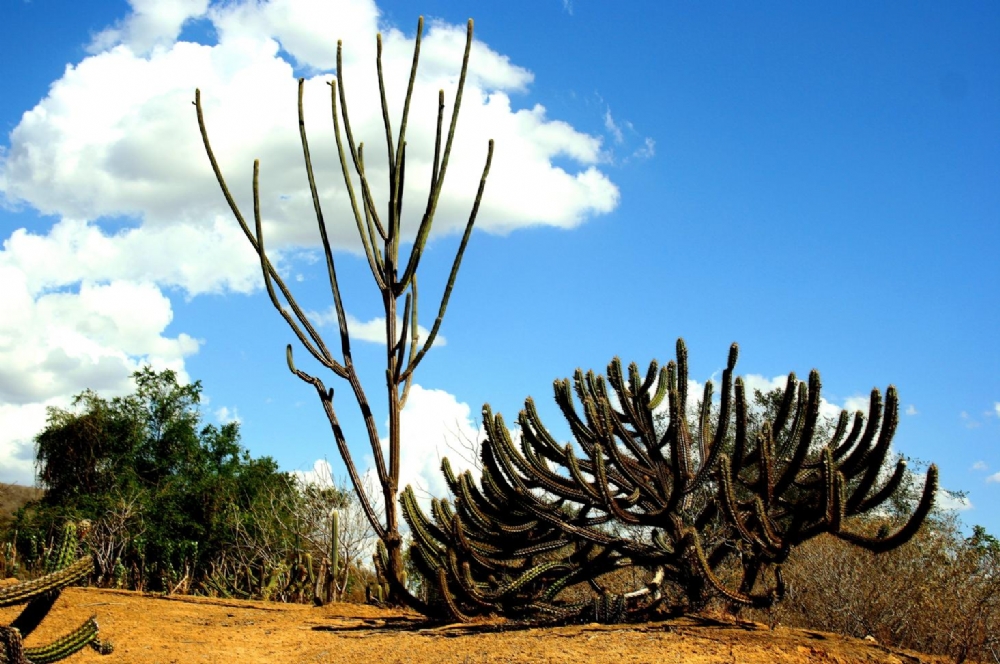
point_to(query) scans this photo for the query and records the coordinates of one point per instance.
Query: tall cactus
(706, 498)
(395, 276)
(335, 550)
(64, 568)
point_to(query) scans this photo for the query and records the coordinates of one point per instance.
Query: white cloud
(951, 503)
(912, 410)
(434, 425)
(225, 416)
(152, 23)
(59, 343)
(857, 402)
(205, 258)
(647, 151)
(996, 408)
(372, 330)
(979, 465)
(623, 135)
(321, 474)
(19, 423)
(63, 332)
(613, 129)
(567, 6)
(116, 138)
(995, 477)
(753, 382)
(77, 155)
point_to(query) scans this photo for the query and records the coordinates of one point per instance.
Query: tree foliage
(169, 497)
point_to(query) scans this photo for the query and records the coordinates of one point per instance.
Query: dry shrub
(939, 593)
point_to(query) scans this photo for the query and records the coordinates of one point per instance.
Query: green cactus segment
(40, 595)
(28, 590)
(11, 646)
(84, 635)
(547, 517)
(64, 551)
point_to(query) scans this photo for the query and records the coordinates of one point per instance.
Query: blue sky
(820, 184)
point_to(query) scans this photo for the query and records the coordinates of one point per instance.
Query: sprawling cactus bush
(708, 507)
(63, 568)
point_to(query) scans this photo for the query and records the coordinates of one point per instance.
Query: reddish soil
(148, 629)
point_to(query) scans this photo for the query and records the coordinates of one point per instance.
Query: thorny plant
(396, 279)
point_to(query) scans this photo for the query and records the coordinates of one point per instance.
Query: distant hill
(13, 496)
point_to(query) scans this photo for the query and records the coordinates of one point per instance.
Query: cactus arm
(442, 579)
(740, 443)
(708, 464)
(756, 601)
(909, 529)
(785, 408)
(804, 435)
(889, 488)
(855, 461)
(67, 645)
(23, 592)
(876, 458)
(856, 428)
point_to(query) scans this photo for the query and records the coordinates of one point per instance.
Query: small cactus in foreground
(64, 568)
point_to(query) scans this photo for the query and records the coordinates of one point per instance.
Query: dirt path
(161, 630)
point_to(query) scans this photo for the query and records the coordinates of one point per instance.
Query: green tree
(170, 498)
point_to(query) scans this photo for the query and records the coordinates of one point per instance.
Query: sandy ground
(148, 629)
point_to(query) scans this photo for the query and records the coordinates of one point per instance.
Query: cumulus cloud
(321, 474)
(81, 311)
(912, 410)
(979, 465)
(199, 259)
(996, 408)
(152, 23)
(950, 502)
(116, 138)
(434, 425)
(372, 330)
(995, 477)
(61, 342)
(613, 128)
(56, 343)
(80, 155)
(19, 423)
(226, 415)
